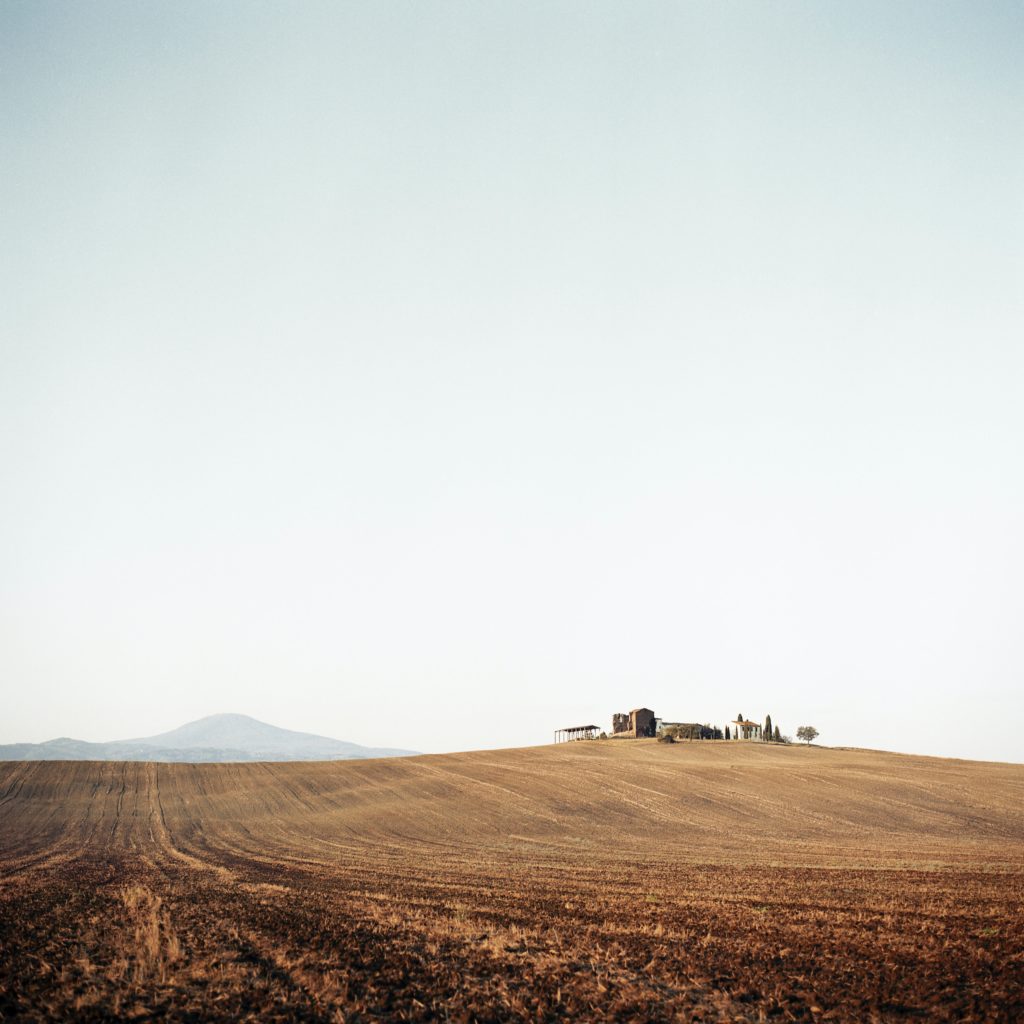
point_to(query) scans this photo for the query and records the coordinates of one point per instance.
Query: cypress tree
(768, 728)
(727, 736)
(778, 735)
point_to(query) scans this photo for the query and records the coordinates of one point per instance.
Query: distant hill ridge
(224, 737)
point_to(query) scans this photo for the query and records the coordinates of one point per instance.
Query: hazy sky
(439, 374)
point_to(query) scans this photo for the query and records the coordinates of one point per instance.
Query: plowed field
(600, 881)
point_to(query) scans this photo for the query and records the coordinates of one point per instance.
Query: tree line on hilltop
(769, 734)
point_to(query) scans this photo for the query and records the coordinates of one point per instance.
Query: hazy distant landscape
(223, 737)
(603, 880)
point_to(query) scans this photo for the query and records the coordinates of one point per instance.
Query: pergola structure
(576, 732)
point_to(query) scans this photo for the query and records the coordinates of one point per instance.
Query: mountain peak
(226, 736)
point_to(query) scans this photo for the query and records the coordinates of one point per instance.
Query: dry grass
(154, 948)
(604, 881)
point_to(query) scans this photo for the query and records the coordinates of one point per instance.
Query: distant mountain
(214, 738)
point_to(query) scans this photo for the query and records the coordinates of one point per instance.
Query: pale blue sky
(437, 375)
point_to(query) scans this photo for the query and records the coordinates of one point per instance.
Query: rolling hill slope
(713, 800)
(602, 881)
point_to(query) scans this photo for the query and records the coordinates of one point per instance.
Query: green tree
(768, 728)
(727, 736)
(807, 733)
(778, 735)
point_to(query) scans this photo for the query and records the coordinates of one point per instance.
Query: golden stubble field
(607, 880)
